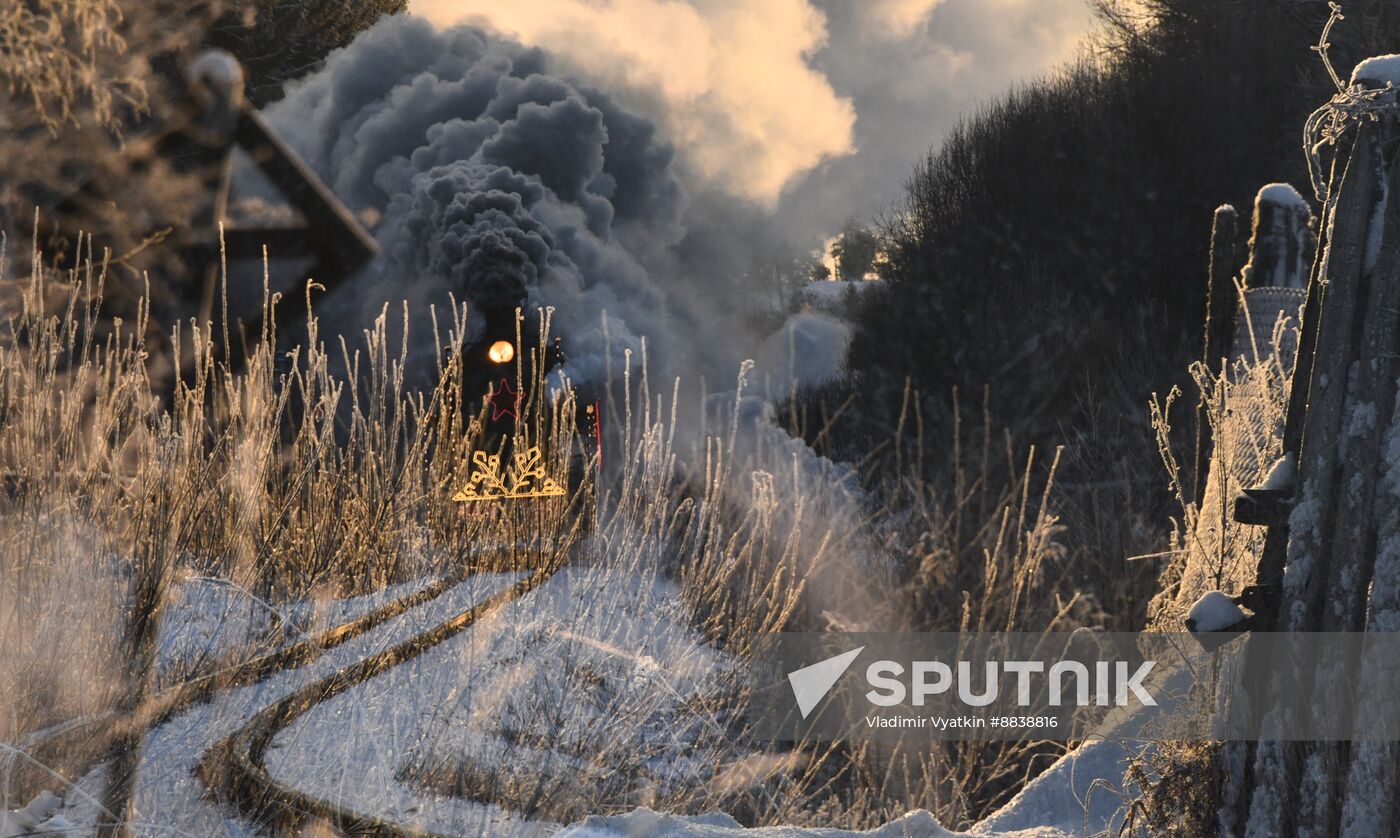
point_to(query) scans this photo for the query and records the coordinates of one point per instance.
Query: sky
(815, 109)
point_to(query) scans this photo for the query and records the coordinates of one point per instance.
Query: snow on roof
(220, 72)
(1283, 194)
(1377, 71)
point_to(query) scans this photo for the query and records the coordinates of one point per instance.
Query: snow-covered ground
(646, 822)
(584, 681)
(40, 817)
(563, 686)
(210, 619)
(169, 798)
(1079, 795)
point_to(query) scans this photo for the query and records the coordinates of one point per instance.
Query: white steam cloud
(901, 17)
(813, 109)
(732, 81)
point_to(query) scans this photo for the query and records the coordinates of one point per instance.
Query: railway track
(92, 738)
(235, 767)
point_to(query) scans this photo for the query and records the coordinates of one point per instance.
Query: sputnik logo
(810, 684)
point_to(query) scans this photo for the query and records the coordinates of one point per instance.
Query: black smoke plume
(500, 181)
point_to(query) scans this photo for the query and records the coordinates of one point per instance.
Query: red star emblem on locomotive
(504, 401)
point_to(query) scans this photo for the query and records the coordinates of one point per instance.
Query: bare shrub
(58, 56)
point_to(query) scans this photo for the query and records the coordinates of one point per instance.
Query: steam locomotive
(495, 366)
(212, 119)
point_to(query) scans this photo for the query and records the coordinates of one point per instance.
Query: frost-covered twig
(1323, 44)
(1329, 123)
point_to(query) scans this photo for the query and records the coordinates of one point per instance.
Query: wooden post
(1372, 802)
(1280, 242)
(1281, 251)
(1220, 303)
(1241, 757)
(1277, 765)
(1370, 405)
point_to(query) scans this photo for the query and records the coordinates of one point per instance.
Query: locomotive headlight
(501, 352)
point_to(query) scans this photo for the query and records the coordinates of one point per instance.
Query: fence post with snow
(1330, 561)
(1219, 294)
(1250, 323)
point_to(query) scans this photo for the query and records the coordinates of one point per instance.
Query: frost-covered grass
(1244, 410)
(162, 524)
(284, 483)
(1213, 557)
